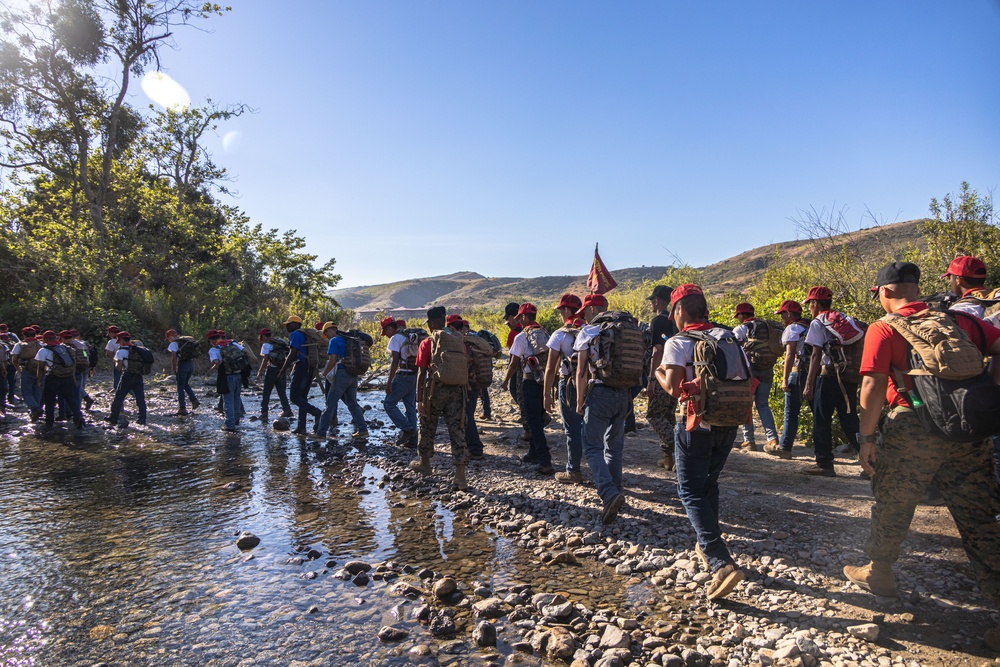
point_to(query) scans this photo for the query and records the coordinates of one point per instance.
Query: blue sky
(409, 139)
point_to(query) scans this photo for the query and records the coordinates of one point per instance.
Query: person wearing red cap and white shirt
(746, 315)
(701, 453)
(528, 345)
(270, 369)
(660, 406)
(966, 278)
(56, 376)
(109, 351)
(182, 369)
(796, 360)
(131, 381)
(562, 360)
(401, 386)
(227, 384)
(823, 387)
(24, 355)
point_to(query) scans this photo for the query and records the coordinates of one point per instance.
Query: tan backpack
(945, 349)
(449, 358)
(480, 362)
(763, 346)
(316, 347)
(989, 300)
(26, 356)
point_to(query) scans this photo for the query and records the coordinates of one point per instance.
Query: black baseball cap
(895, 273)
(660, 292)
(436, 313)
(510, 310)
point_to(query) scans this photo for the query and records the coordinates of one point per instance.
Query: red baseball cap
(966, 266)
(596, 300)
(37, 328)
(3, 327)
(169, 333)
(569, 301)
(123, 334)
(819, 293)
(465, 323)
(319, 326)
(212, 333)
(263, 332)
(789, 306)
(50, 335)
(400, 324)
(66, 333)
(451, 319)
(386, 322)
(744, 308)
(112, 330)
(527, 308)
(75, 332)
(27, 331)
(681, 291)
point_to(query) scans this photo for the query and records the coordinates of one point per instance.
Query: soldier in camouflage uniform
(661, 405)
(908, 458)
(434, 401)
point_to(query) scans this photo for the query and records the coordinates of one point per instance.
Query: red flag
(600, 281)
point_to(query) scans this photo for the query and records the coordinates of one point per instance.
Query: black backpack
(188, 348)
(357, 359)
(490, 338)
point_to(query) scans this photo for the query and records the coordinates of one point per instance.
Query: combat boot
(459, 484)
(423, 465)
(876, 577)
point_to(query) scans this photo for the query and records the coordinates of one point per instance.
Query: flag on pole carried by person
(600, 281)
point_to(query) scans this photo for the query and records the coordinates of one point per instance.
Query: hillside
(467, 289)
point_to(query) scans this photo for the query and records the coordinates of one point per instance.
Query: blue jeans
(700, 457)
(11, 382)
(185, 369)
(996, 456)
(760, 396)
(274, 382)
(298, 393)
(31, 393)
(603, 435)
(116, 374)
(534, 415)
(63, 390)
(827, 398)
(129, 383)
(473, 442)
(404, 389)
(793, 406)
(487, 405)
(572, 424)
(344, 387)
(231, 403)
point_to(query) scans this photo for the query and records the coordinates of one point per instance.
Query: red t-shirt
(512, 334)
(885, 350)
(424, 354)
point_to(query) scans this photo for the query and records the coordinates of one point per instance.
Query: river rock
(442, 625)
(671, 660)
(561, 645)
(445, 587)
(281, 424)
(614, 638)
(231, 486)
(557, 611)
(866, 631)
(388, 633)
(485, 634)
(403, 589)
(356, 566)
(489, 608)
(360, 579)
(247, 540)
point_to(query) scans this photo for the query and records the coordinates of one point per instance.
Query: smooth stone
(485, 634)
(247, 540)
(387, 633)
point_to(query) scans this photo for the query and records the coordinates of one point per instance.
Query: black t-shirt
(660, 326)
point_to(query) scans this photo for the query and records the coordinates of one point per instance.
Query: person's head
(123, 338)
(389, 326)
(330, 330)
(171, 335)
(113, 331)
(567, 306)
(319, 326)
(65, 335)
(264, 335)
(37, 329)
(897, 284)
(790, 311)
(688, 305)
(965, 273)
(50, 338)
(215, 337)
(3, 328)
(28, 333)
(527, 313)
(400, 325)
(436, 318)
(465, 327)
(293, 323)
(819, 300)
(454, 321)
(744, 312)
(593, 305)
(659, 300)
(510, 314)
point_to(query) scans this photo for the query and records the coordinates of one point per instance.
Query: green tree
(962, 225)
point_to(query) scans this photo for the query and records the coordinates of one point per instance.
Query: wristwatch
(862, 439)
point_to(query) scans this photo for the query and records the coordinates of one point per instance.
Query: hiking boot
(724, 581)
(422, 465)
(546, 469)
(611, 509)
(777, 450)
(195, 403)
(667, 461)
(360, 435)
(183, 413)
(299, 431)
(88, 403)
(402, 438)
(748, 446)
(701, 555)
(459, 483)
(819, 471)
(284, 413)
(476, 456)
(529, 458)
(876, 577)
(570, 477)
(992, 638)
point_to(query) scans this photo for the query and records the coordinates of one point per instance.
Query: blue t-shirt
(297, 339)
(338, 346)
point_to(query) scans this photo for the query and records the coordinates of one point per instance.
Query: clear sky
(409, 139)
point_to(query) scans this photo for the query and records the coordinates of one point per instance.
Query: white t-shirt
(173, 347)
(521, 348)
(679, 351)
(16, 352)
(977, 310)
(45, 356)
(112, 346)
(795, 333)
(562, 342)
(742, 332)
(265, 349)
(122, 355)
(396, 343)
(818, 336)
(215, 354)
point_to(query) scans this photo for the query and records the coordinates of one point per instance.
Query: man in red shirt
(908, 458)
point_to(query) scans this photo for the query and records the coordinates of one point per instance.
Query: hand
(784, 386)
(580, 409)
(388, 387)
(650, 388)
(867, 457)
(807, 394)
(547, 404)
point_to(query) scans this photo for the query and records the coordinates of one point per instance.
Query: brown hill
(468, 289)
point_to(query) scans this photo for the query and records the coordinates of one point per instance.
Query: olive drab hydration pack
(278, 352)
(63, 362)
(449, 358)
(233, 359)
(723, 374)
(953, 393)
(621, 347)
(763, 346)
(188, 348)
(357, 358)
(533, 366)
(846, 344)
(480, 362)
(408, 353)
(26, 356)
(315, 347)
(140, 360)
(81, 355)
(988, 300)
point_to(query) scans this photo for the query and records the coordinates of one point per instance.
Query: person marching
(273, 352)
(753, 335)
(562, 359)
(473, 441)
(442, 379)
(5, 374)
(9, 340)
(513, 382)
(342, 386)
(401, 386)
(303, 370)
(228, 361)
(904, 453)
(529, 345)
(661, 405)
(24, 353)
(55, 375)
(110, 349)
(129, 368)
(796, 356)
(183, 350)
(966, 278)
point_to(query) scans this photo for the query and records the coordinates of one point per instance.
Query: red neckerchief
(574, 321)
(533, 325)
(698, 326)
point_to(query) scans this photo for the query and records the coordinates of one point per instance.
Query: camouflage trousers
(908, 460)
(660, 415)
(447, 402)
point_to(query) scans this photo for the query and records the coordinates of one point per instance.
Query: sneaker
(777, 450)
(360, 435)
(724, 581)
(529, 458)
(701, 555)
(284, 413)
(546, 469)
(875, 577)
(476, 456)
(402, 438)
(195, 403)
(570, 477)
(819, 471)
(612, 508)
(748, 446)
(299, 431)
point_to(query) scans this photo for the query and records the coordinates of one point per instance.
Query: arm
(39, 373)
(293, 354)
(582, 379)
(393, 367)
(554, 357)
(109, 354)
(815, 361)
(670, 379)
(873, 388)
(789, 362)
(265, 363)
(655, 364)
(421, 382)
(511, 368)
(331, 364)
(173, 363)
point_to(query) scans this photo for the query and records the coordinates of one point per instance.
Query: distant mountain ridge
(466, 289)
